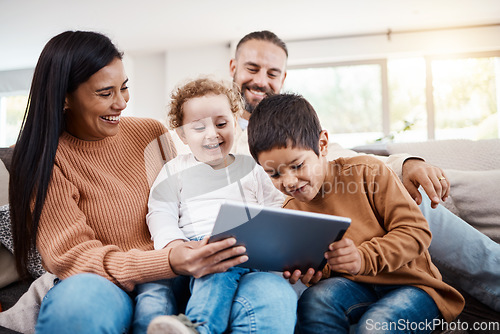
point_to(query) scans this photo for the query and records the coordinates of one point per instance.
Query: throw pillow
(475, 196)
(35, 267)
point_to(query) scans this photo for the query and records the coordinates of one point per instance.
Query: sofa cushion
(35, 267)
(473, 169)
(461, 154)
(4, 184)
(6, 156)
(8, 274)
(475, 196)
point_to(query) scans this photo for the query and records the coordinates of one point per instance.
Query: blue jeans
(158, 298)
(462, 253)
(88, 303)
(335, 304)
(85, 303)
(211, 299)
(209, 304)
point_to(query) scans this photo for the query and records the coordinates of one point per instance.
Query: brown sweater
(387, 227)
(93, 219)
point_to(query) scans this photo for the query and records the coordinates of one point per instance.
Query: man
(259, 70)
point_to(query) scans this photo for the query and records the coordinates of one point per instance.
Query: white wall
(147, 85)
(154, 76)
(186, 64)
(398, 45)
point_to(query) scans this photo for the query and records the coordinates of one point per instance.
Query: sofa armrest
(376, 149)
(6, 156)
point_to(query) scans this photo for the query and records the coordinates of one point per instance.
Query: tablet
(278, 239)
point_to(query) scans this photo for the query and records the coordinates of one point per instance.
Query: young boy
(187, 194)
(379, 275)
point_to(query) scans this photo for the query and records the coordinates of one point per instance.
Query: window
(347, 99)
(466, 92)
(407, 99)
(14, 88)
(11, 116)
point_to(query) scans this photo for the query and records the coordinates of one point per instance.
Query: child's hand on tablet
(309, 278)
(343, 256)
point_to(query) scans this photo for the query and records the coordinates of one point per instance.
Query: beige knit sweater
(93, 219)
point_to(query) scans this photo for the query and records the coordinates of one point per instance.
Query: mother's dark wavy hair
(67, 60)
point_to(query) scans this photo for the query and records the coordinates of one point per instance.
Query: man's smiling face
(259, 70)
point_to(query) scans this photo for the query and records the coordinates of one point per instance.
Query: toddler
(186, 196)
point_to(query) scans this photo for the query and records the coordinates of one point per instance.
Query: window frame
(3, 114)
(429, 89)
(383, 80)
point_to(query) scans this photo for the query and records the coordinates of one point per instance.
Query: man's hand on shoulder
(417, 173)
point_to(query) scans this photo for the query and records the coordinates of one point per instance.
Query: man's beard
(249, 106)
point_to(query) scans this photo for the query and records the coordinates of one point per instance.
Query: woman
(79, 190)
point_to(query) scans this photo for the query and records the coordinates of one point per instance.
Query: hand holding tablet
(278, 239)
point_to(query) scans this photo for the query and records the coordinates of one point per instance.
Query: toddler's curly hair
(198, 88)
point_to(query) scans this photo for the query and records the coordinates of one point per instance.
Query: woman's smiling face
(93, 110)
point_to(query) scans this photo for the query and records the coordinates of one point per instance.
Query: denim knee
(322, 294)
(85, 303)
(264, 303)
(272, 289)
(153, 299)
(405, 309)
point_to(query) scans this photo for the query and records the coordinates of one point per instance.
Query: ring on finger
(441, 178)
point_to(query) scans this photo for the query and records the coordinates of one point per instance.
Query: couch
(473, 168)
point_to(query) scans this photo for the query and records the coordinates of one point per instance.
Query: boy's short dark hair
(282, 120)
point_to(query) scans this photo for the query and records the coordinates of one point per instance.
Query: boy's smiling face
(297, 172)
(208, 129)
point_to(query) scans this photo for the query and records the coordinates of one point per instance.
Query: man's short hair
(264, 35)
(282, 120)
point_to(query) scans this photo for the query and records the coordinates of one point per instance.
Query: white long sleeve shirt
(186, 196)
